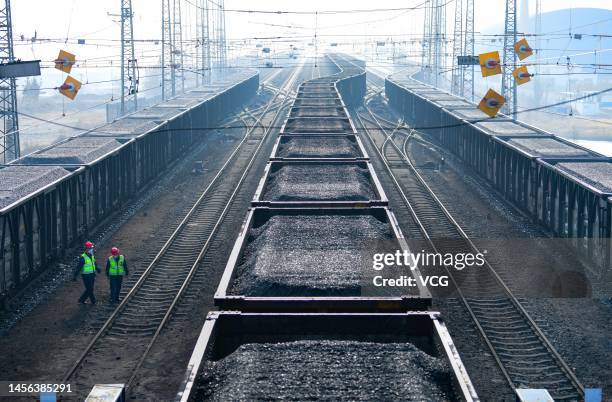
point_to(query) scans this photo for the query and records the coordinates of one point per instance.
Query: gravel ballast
(308, 255)
(319, 182)
(17, 182)
(330, 370)
(318, 147)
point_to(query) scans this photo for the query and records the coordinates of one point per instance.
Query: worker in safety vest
(87, 267)
(116, 268)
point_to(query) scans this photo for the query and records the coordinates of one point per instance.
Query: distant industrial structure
(434, 52)
(9, 126)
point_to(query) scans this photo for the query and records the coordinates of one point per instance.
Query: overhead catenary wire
(533, 109)
(192, 42)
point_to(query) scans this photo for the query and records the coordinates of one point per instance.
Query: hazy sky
(90, 20)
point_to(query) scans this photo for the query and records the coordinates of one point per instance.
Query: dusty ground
(42, 345)
(528, 266)
(486, 376)
(578, 327)
(39, 344)
(161, 375)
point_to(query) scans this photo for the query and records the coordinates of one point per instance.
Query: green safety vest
(116, 267)
(90, 264)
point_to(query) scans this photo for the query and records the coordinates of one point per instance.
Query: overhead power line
(322, 12)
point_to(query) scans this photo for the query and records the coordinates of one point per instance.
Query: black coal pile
(320, 102)
(17, 182)
(319, 147)
(328, 370)
(81, 150)
(547, 147)
(127, 126)
(319, 182)
(597, 174)
(317, 112)
(309, 255)
(313, 125)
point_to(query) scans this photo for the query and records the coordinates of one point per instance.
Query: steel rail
(206, 245)
(184, 222)
(515, 302)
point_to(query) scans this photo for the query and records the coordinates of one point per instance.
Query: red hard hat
(88, 244)
(114, 251)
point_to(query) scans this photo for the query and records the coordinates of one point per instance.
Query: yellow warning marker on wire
(489, 63)
(70, 87)
(65, 61)
(521, 75)
(491, 103)
(522, 49)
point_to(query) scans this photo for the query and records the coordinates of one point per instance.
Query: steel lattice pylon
(167, 56)
(205, 62)
(177, 47)
(220, 46)
(426, 58)
(439, 48)
(198, 45)
(203, 43)
(129, 79)
(9, 143)
(222, 39)
(456, 80)
(467, 72)
(509, 61)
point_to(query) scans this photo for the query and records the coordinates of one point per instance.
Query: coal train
(52, 198)
(295, 317)
(563, 186)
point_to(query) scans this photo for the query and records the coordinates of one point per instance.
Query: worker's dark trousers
(115, 286)
(88, 281)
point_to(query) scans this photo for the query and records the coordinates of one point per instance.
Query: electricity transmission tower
(9, 128)
(223, 40)
(203, 34)
(129, 79)
(439, 51)
(467, 72)
(456, 80)
(509, 61)
(426, 58)
(172, 48)
(220, 44)
(167, 56)
(177, 47)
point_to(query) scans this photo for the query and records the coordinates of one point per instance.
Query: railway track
(230, 378)
(525, 356)
(134, 326)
